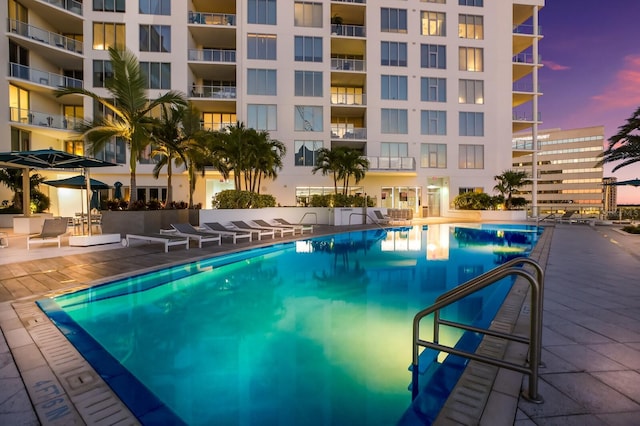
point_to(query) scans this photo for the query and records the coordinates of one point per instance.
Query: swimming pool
(316, 331)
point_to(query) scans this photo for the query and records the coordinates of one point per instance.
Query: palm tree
(352, 164)
(129, 110)
(624, 146)
(266, 159)
(327, 162)
(12, 179)
(508, 182)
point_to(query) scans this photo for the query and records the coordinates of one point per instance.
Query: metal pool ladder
(511, 267)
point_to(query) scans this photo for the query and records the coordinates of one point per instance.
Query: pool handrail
(476, 284)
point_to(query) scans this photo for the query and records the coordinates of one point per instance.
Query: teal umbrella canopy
(50, 159)
(77, 182)
(118, 193)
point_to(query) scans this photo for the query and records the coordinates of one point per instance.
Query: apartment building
(566, 168)
(429, 91)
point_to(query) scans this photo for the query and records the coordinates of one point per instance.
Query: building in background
(568, 175)
(610, 194)
(430, 92)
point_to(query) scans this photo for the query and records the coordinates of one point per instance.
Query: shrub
(39, 201)
(632, 229)
(320, 201)
(233, 199)
(473, 201)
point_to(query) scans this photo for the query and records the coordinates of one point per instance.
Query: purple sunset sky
(591, 73)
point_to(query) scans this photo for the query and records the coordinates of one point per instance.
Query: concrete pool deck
(591, 336)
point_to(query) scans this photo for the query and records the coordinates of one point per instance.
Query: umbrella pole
(88, 180)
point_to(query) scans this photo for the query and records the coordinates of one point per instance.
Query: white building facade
(431, 92)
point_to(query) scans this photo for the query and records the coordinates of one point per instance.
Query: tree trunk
(133, 191)
(169, 199)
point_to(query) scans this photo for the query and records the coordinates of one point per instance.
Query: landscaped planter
(145, 221)
(489, 215)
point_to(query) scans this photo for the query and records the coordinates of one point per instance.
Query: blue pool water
(312, 332)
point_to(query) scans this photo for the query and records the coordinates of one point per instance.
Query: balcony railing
(526, 87)
(212, 55)
(348, 30)
(212, 18)
(527, 29)
(70, 5)
(214, 92)
(44, 36)
(348, 64)
(351, 1)
(42, 77)
(526, 58)
(526, 145)
(525, 116)
(391, 163)
(353, 133)
(42, 119)
(349, 99)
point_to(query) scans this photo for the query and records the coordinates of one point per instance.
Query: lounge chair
(227, 232)
(381, 218)
(259, 231)
(566, 217)
(281, 229)
(301, 227)
(187, 230)
(52, 232)
(166, 239)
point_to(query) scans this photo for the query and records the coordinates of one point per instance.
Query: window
(20, 140)
(155, 7)
(433, 89)
(433, 122)
(261, 12)
(261, 46)
(108, 34)
(308, 83)
(435, 1)
(433, 56)
(108, 5)
(395, 121)
(471, 123)
(393, 20)
(471, 157)
(394, 87)
(155, 38)
(261, 82)
(347, 95)
(394, 150)
(394, 54)
(306, 152)
(471, 59)
(471, 92)
(216, 121)
(113, 151)
(19, 105)
(433, 23)
(74, 147)
(307, 14)
(308, 118)
(471, 26)
(158, 74)
(308, 49)
(72, 114)
(262, 117)
(102, 70)
(433, 155)
(470, 3)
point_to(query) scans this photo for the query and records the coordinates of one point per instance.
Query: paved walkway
(591, 340)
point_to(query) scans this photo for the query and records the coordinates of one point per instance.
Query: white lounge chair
(281, 229)
(300, 226)
(381, 218)
(261, 232)
(227, 232)
(52, 232)
(167, 240)
(187, 230)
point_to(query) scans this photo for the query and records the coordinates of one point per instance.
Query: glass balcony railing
(212, 18)
(527, 29)
(44, 36)
(348, 30)
(527, 87)
(42, 119)
(526, 58)
(213, 92)
(351, 1)
(212, 55)
(338, 132)
(348, 64)
(348, 99)
(70, 5)
(42, 77)
(391, 163)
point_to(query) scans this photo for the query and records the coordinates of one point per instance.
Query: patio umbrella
(95, 201)
(118, 193)
(80, 182)
(48, 159)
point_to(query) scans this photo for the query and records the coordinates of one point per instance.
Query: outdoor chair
(299, 226)
(187, 230)
(235, 234)
(281, 229)
(381, 218)
(261, 232)
(52, 232)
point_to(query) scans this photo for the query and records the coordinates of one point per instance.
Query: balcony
(345, 30)
(352, 133)
(42, 119)
(202, 18)
(213, 92)
(355, 99)
(527, 29)
(391, 163)
(340, 64)
(212, 55)
(72, 6)
(42, 77)
(44, 36)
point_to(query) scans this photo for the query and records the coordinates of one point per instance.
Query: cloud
(624, 90)
(555, 66)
